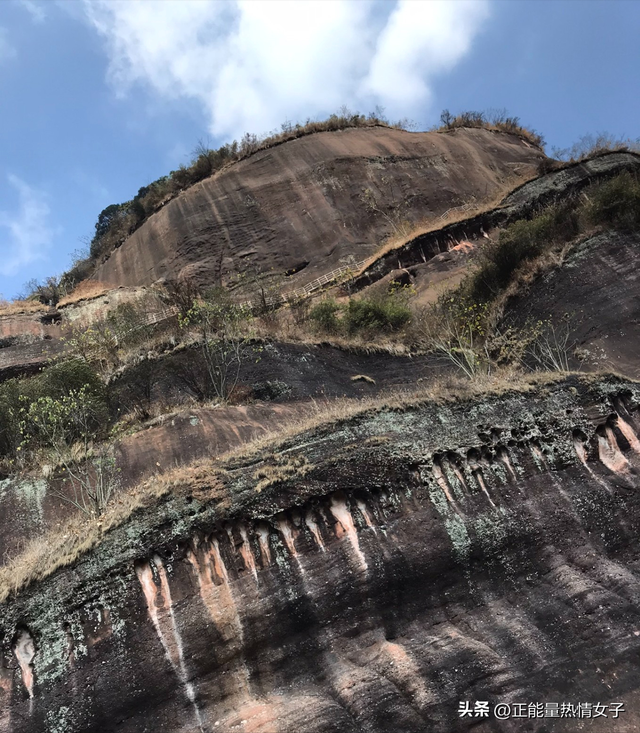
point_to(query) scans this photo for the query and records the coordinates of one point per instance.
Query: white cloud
(28, 235)
(251, 65)
(7, 51)
(420, 40)
(36, 10)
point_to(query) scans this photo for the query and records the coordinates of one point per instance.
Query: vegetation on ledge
(463, 324)
(80, 535)
(117, 221)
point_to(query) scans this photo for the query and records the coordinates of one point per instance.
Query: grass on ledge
(18, 307)
(78, 536)
(406, 233)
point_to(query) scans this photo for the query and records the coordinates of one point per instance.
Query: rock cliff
(364, 576)
(409, 553)
(596, 291)
(299, 206)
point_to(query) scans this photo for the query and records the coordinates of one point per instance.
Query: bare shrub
(456, 328)
(48, 291)
(300, 307)
(67, 427)
(221, 325)
(589, 146)
(552, 346)
(110, 341)
(492, 119)
(181, 294)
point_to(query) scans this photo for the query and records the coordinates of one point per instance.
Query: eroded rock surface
(27, 341)
(281, 377)
(596, 293)
(521, 203)
(299, 207)
(407, 559)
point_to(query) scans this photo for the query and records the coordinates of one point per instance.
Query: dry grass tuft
(363, 378)
(590, 146)
(496, 120)
(86, 290)
(285, 331)
(18, 307)
(279, 468)
(79, 535)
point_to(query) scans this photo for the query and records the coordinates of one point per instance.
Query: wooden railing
(304, 290)
(151, 318)
(301, 292)
(464, 207)
(322, 280)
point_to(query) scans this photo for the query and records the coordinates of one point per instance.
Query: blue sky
(99, 97)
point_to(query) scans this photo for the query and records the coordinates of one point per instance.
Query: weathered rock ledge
(523, 202)
(298, 207)
(389, 567)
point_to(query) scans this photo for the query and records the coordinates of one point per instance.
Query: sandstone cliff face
(521, 203)
(298, 205)
(284, 379)
(409, 559)
(27, 341)
(595, 292)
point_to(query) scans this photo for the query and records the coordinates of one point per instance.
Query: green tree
(67, 427)
(222, 326)
(107, 218)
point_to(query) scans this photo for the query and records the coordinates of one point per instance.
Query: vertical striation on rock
(493, 557)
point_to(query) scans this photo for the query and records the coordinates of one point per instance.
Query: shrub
(222, 327)
(459, 325)
(57, 382)
(188, 371)
(490, 120)
(552, 346)
(133, 392)
(107, 340)
(524, 240)
(324, 316)
(589, 146)
(300, 308)
(48, 291)
(371, 315)
(9, 418)
(455, 328)
(60, 421)
(66, 427)
(368, 316)
(181, 294)
(129, 322)
(615, 203)
(61, 378)
(53, 384)
(96, 345)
